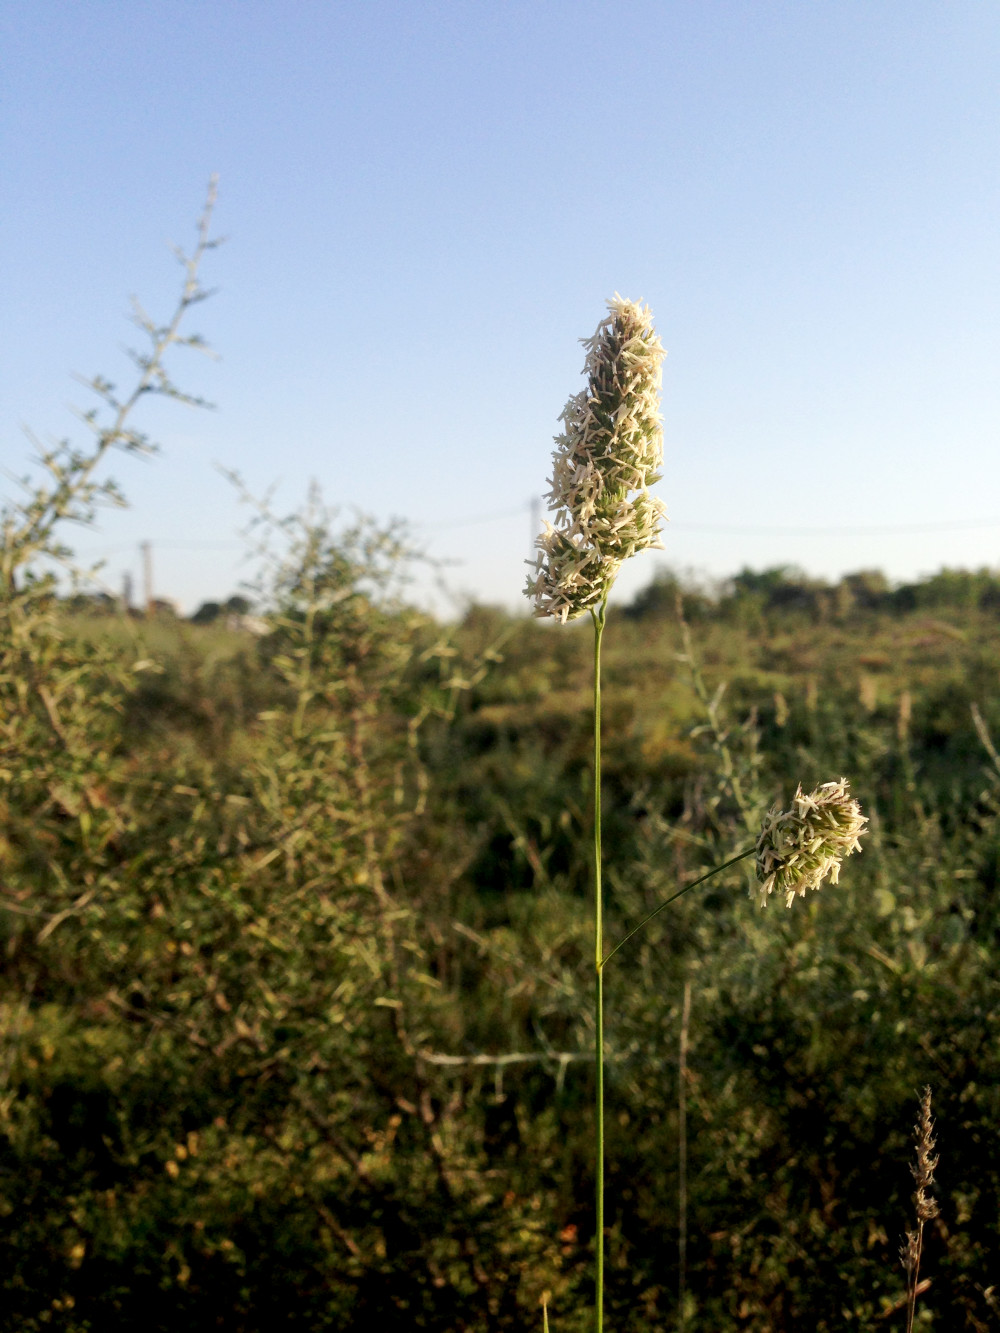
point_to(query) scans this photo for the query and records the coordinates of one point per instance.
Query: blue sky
(427, 205)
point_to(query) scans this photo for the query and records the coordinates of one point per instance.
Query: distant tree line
(103, 604)
(211, 611)
(787, 590)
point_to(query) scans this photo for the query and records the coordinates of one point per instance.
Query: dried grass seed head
(606, 459)
(923, 1169)
(926, 1162)
(909, 1253)
(799, 848)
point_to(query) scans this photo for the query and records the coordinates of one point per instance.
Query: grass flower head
(606, 459)
(799, 848)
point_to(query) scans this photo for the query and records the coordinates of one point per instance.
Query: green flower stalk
(604, 463)
(606, 459)
(799, 848)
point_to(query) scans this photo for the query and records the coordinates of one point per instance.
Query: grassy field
(295, 1000)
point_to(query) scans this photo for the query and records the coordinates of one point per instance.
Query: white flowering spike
(604, 463)
(798, 848)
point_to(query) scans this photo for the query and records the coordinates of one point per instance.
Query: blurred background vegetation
(294, 1013)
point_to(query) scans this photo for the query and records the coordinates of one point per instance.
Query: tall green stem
(598, 617)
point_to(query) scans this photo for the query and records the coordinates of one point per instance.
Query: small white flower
(798, 848)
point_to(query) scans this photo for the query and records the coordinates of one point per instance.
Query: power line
(719, 529)
(167, 545)
(882, 530)
(751, 530)
(471, 520)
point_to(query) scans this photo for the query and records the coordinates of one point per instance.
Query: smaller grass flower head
(799, 848)
(605, 461)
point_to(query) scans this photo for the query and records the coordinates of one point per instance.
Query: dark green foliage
(786, 594)
(263, 896)
(266, 890)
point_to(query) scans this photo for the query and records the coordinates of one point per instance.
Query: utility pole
(127, 591)
(147, 575)
(536, 523)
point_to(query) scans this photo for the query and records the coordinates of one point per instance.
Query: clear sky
(427, 205)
